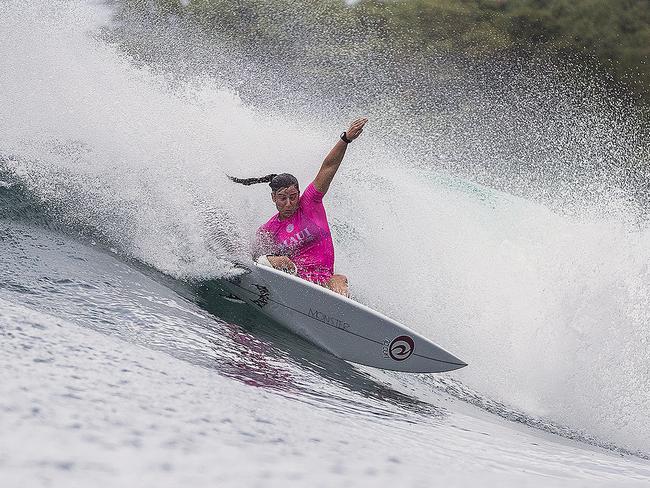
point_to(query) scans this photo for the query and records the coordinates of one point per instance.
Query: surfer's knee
(339, 284)
(338, 278)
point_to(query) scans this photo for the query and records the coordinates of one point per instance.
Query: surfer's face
(286, 201)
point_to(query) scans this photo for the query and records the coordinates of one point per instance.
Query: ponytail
(276, 182)
(252, 181)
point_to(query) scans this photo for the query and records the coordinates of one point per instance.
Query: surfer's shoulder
(312, 194)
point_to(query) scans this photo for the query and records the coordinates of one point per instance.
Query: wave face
(540, 281)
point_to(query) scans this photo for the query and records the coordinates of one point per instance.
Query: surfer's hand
(356, 128)
(283, 263)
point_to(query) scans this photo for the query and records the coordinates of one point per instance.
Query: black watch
(344, 138)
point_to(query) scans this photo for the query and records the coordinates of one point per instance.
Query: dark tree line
(611, 37)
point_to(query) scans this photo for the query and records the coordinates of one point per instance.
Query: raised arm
(333, 159)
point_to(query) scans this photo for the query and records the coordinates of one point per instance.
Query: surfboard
(337, 324)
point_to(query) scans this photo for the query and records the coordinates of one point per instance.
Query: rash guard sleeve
(311, 196)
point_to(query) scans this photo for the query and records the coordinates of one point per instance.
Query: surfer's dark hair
(275, 181)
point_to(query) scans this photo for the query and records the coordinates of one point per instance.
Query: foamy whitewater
(118, 369)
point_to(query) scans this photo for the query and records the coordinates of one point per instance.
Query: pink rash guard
(304, 237)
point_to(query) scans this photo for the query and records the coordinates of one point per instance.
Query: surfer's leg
(338, 283)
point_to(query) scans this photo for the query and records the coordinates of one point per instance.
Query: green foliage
(616, 34)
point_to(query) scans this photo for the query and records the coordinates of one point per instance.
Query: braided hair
(275, 181)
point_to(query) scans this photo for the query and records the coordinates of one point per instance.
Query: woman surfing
(298, 238)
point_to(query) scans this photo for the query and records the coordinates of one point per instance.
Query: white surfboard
(341, 326)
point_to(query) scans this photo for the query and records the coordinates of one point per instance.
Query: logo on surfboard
(401, 348)
(264, 295)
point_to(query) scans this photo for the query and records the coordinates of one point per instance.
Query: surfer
(298, 239)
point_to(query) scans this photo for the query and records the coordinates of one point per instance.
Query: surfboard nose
(435, 361)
